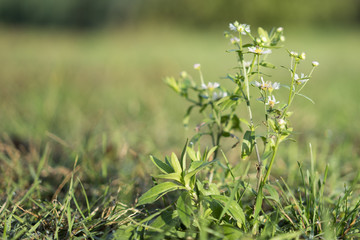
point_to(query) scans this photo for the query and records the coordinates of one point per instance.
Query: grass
(81, 112)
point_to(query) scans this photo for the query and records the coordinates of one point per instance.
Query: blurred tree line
(98, 13)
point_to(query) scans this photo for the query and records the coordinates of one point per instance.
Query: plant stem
(272, 160)
(247, 98)
(293, 71)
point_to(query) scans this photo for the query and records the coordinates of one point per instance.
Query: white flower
(271, 101)
(234, 40)
(248, 63)
(259, 50)
(294, 54)
(302, 79)
(263, 85)
(267, 85)
(197, 66)
(280, 29)
(217, 96)
(274, 86)
(315, 63)
(211, 86)
(232, 26)
(281, 122)
(241, 28)
(183, 74)
(302, 56)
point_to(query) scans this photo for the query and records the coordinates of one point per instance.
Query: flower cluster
(210, 86)
(271, 101)
(297, 56)
(268, 85)
(241, 28)
(259, 50)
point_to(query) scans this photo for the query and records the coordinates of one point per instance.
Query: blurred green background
(88, 74)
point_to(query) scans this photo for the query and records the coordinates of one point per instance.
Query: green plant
(220, 203)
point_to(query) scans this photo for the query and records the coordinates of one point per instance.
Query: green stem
(247, 98)
(272, 160)
(291, 88)
(292, 84)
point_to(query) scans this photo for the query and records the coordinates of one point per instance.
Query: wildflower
(247, 63)
(183, 74)
(294, 54)
(233, 27)
(271, 101)
(281, 122)
(280, 29)
(302, 56)
(241, 28)
(263, 85)
(315, 63)
(267, 85)
(234, 40)
(273, 86)
(197, 66)
(264, 39)
(259, 50)
(211, 86)
(220, 95)
(302, 79)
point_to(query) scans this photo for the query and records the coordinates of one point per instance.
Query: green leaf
(272, 124)
(231, 232)
(267, 65)
(170, 176)
(171, 82)
(244, 121)
(258, 203)
(263, 33)
(187, 116)
(234, 208)
(247, 144)
(291, 235)
(306, 97)
(211, 151)
(211, 190)
(175, 163)
(197, 136)
(157, 192)
(161, 165)
(226, 103)
(184, 209)
(194, 168)
(273, 193)
(165, 221)
(192, 154)
(183, 156)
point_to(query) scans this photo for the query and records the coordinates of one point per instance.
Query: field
(81, 112)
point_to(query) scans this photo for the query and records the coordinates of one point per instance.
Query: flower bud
(302, 56)
(183, 74)
(197, 66)
(294, 54)
(280, 29)
(315, 63)
(282, 38)
(281, 122)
